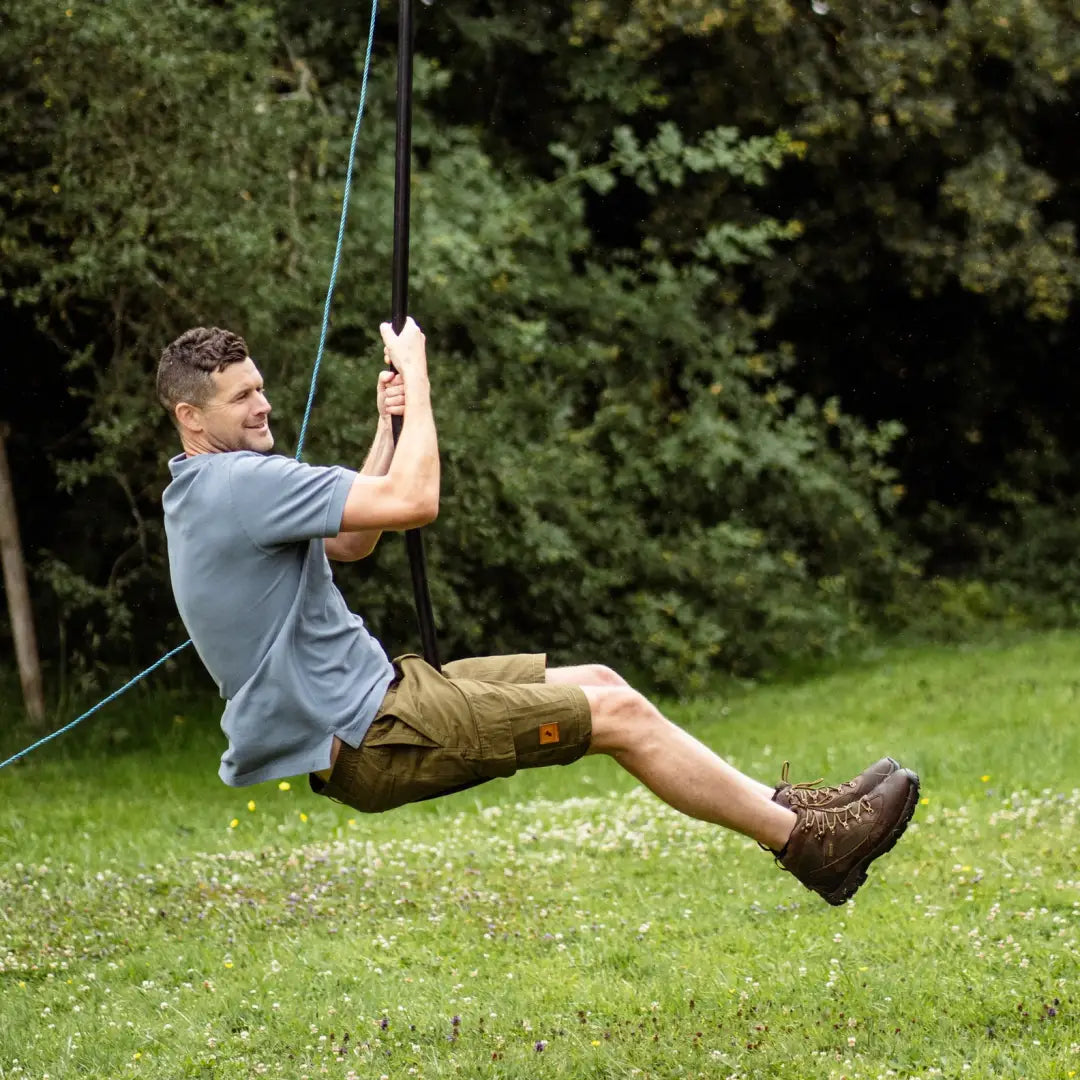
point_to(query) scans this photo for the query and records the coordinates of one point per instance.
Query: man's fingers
(391, 393)
(387, 329)
(404, 349)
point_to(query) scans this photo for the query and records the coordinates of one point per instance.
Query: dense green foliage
(682, 266)
(936, 278)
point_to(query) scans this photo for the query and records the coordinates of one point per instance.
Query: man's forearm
(377, 462)
(416, 457)
(407, 495)
(349, 546)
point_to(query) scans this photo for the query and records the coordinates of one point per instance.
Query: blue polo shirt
(253, 585)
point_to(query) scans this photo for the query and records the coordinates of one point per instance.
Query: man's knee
(621, 718)
(599, 675)
(584, 675)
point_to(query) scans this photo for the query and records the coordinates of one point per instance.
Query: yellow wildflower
(284, 785)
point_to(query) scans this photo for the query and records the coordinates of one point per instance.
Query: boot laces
(811, 792)
(821, 820)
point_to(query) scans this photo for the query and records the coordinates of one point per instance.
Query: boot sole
(857, 874)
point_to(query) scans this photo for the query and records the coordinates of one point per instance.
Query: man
(308, 689)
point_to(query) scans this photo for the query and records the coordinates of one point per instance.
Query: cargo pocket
(391, 729)
(397, 763)
(492, 751)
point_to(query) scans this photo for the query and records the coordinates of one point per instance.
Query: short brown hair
(186, 366)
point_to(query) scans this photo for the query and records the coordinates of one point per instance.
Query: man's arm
(406, 496)
(351, 546)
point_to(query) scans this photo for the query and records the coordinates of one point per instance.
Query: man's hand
(390, 396)
(406, 351)
(396, 488)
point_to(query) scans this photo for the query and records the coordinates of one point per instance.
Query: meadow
(562, 923)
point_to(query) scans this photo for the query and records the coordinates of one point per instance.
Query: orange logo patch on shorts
(549, 733)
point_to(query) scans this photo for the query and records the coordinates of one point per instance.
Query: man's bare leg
(671, 763)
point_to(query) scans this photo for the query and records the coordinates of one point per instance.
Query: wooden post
(18, 595)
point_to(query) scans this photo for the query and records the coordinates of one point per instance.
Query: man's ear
(189, 417)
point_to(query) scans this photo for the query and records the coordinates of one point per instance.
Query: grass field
(564, 923)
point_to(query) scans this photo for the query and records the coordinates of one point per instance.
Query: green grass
(563, 923)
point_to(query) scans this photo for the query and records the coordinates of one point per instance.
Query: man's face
(236, 417)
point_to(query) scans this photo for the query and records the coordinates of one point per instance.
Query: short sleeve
(281, 501)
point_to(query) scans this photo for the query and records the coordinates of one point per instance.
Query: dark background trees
(748, 319)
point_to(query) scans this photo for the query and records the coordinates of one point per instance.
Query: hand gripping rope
(400, 301)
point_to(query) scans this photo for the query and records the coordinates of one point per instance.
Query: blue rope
(307, 410)
(340, 237)
(100, 705)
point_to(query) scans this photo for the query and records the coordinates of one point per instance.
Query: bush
(628, 475)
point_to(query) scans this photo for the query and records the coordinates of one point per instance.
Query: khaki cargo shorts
(439, 732)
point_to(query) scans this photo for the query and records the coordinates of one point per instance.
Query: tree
(936, 277)
(629, 471)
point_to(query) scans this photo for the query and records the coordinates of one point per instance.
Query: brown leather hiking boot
(812, 794)
(831, 847)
